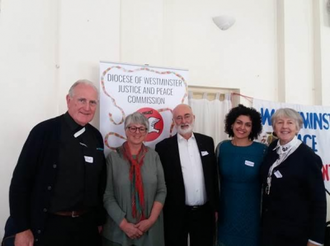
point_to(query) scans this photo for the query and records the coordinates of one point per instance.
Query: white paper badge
(278, 174)
(89, 159)
(249, 163)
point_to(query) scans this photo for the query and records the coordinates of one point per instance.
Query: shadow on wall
(327, 13)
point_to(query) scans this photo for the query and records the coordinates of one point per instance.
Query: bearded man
(191, 178)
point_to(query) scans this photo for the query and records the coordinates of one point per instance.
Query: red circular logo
(156, 123)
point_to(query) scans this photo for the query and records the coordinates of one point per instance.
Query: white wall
(325, 52)
(182, 34)
(274, 48)
(297, 40)
(89, 31)
(27, 77)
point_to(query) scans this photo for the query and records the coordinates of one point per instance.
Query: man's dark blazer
(174, 207)
(35, 172)
(295, 210)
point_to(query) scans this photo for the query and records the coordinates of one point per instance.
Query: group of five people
(64, 192)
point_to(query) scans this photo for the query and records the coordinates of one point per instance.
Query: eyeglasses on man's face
(84, 101)
(186, 117)
(133, 129)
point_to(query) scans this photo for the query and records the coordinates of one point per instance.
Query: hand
(24, 238)
(144, 225)
(130, 229)
(100, 229)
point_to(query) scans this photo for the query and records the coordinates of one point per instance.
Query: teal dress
(240, 193)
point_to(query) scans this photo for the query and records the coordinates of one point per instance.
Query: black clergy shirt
(80, 164)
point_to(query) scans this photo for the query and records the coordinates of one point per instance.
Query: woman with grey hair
(135, 191)
(294, 202)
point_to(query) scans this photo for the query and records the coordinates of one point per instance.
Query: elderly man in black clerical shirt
(56, 190)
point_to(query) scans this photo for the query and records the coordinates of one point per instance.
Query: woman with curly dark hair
(239, 160)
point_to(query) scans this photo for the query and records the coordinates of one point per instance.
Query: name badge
(278, 174)
(204, 153)
(249, 163)
(89, 159)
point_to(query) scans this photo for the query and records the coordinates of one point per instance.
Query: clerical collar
(76, 129)
(181, 138)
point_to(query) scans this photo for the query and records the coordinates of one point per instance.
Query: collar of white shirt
(180, 138)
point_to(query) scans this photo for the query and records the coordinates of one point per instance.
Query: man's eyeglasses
(84, 101)
(180, 118)
(133, 129)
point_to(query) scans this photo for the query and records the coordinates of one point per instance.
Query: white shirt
(192, 170)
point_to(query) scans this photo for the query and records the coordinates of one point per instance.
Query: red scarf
(136, 180)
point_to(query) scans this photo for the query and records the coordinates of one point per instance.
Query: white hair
(82, 82)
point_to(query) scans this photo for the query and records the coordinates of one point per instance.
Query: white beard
(186, 130)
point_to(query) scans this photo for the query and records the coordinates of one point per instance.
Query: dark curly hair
(254, 115)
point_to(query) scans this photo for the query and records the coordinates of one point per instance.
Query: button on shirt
(192, 171)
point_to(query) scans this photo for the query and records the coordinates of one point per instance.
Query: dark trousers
(199, 224)
(106, 242)
(68, 231)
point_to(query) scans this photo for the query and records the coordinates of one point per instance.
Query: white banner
(315, 131)
(152, 91)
